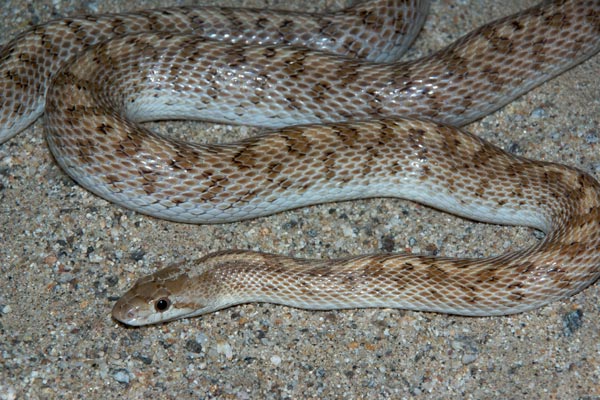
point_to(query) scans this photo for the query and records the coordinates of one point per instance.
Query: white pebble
(275, 360)
(121, 375)
(225, 348)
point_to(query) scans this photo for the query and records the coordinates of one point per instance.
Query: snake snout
(127, 310)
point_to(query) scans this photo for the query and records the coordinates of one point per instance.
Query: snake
(339, 127)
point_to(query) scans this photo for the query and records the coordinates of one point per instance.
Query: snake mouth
(135, 310)
(127, 311)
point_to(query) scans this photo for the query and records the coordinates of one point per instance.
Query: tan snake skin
(94, 104)
(379, 30)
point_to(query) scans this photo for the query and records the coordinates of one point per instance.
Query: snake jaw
(136, 310)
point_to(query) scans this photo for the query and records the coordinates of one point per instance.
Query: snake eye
(162, 304)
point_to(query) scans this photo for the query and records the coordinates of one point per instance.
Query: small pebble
(193, 346)
(468, 358)
(121, 375)
(591, 138)
(225, 348)
(538, 113)
(137, 255)
(572, 321)
(202, 339)
(387, 243)
(95, 258)
(275, 360)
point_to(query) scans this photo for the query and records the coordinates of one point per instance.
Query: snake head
(157, 298)
(186, 289)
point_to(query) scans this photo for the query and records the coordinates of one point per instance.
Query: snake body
(368, 129)
(380, 30)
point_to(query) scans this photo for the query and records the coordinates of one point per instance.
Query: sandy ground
(66, 256)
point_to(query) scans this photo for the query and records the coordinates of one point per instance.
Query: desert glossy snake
(367, 128)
